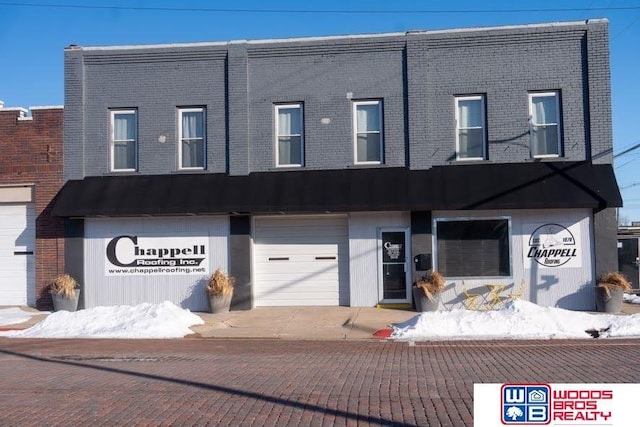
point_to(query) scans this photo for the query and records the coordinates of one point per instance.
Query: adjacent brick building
(31, 240)
(338, 170)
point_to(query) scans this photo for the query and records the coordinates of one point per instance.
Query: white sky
(517, 320)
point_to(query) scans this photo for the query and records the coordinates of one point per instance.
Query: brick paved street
(197, 382)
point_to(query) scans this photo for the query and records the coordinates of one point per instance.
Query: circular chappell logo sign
(552, 245)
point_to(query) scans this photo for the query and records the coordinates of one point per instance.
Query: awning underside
(534, 185)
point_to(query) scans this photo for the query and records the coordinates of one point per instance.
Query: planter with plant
(610, 290)
(220, 290)
(65, 293)
(426, 293)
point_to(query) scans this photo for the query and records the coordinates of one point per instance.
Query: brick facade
(32, 154)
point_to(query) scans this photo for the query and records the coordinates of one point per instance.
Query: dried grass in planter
(431, 284)
(609, 281)
(64, 285)
(220, 284)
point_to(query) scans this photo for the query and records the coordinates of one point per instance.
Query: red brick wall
(31, 153)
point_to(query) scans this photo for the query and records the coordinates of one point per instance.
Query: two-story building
(337, 170)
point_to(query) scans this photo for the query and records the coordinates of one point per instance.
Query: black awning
(476, 186)
(537, 185)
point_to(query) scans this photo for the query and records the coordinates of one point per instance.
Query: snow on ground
(15, 315)
(518, 319)
(146, 320)
(631, 298)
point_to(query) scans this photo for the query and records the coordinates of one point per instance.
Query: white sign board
(551, 245)
(133, 255)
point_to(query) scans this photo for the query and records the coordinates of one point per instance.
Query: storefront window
(473, 248)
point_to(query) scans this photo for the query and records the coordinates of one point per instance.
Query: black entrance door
(628, 259)
(394, 262)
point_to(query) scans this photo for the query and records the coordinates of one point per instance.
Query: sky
(517, 319)
(33, 35)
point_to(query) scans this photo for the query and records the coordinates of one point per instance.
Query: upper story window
(367, 118)
(544, 122)
(192, 138)
(124, 140)
(470, 128)
(289, 135)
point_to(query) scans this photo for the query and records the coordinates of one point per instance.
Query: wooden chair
(519, 294)
(495, 298)
(471, 301)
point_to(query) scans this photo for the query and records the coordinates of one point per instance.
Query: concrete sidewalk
(301, 323)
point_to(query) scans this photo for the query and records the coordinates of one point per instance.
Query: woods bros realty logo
(552, 245)
(135, 255)
(531, 404)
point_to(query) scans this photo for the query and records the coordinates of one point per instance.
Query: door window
(394, 263)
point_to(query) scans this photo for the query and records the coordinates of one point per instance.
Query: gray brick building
(338, 170)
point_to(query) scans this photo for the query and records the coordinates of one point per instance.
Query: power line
(626, 151)
(317, 11)
(630, 185)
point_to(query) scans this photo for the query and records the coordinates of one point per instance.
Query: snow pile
(146, 320)
(518, 319)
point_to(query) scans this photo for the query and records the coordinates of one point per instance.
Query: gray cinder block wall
(416, 75)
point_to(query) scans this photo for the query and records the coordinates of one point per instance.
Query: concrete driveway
(301, 323)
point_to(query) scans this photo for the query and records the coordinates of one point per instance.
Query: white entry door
(300, 260)
(17, 247)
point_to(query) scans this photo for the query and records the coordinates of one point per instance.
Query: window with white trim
(124, 140)
(289, 135)
(473, 247)
(470, 128)
(192, 130)
(544, 124)
(368, 143)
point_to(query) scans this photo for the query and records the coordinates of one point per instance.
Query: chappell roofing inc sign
(551, 245)
(128, 255)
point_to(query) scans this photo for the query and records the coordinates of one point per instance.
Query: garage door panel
(297, 251)
(300, 260)
(295, 299)
(17, 234)
(279, 281)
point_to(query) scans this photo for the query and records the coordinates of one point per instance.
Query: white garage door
(300, 260)
(17, 246)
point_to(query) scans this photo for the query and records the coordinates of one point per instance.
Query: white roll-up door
(17, 249)
(300, 260)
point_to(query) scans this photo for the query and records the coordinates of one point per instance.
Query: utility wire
(626, 151)
(317, 11)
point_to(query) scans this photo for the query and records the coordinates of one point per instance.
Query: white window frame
(480, 98)
(558, 124)
(300, 107)
(354, 114)
(181, 111)
(113, 141)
